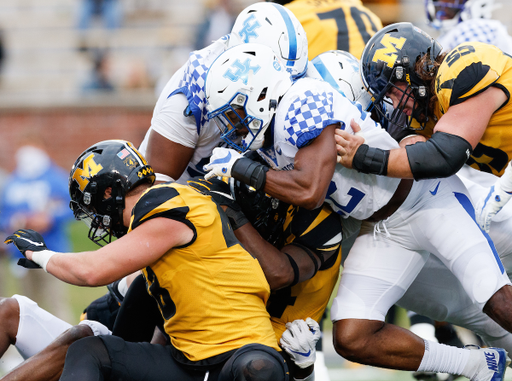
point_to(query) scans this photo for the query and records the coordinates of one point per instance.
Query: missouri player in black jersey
(334, 24)
(199, 274)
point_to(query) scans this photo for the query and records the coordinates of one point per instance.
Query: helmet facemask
(444, 15)
(98, 183)
(401, 53)
(106, 220)
(238, 129)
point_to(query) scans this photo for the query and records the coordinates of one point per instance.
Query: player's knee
(350, 338)
(88, 350)
(75, 333)
(256, 365)
(10, 317)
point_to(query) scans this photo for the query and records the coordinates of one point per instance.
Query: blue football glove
(27, 239)
(221, 162)
(299, 341)
(488, 206)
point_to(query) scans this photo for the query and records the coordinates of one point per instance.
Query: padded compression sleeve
(440, 156)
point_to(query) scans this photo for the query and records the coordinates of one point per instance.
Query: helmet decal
(249, 29)
(292, 55)
(241, 71)
(388, 54)
(90, 168)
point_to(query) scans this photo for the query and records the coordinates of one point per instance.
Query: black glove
(27, 239)
(221, 195)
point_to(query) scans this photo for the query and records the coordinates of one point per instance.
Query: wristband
(371, 160)
(250, 172)
(42, 257)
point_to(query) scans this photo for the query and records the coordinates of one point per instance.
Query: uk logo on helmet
(240, 71)
(249, 29)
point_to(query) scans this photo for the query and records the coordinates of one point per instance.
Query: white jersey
(482, 30)
(180, 113)
(305, 110)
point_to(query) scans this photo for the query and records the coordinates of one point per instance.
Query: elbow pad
(440, 156)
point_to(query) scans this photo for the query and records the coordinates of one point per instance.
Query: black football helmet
(98, 183)
(389, 57)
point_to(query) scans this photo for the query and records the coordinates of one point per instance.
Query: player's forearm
(275, 265)
(297, 188)
(78, 269)
(398, 164)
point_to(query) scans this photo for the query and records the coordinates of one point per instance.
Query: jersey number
(161, 295)
(459, 52)
(487, 158)
(356, 195)
(339, 16)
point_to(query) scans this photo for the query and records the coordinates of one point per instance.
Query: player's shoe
(494, 363)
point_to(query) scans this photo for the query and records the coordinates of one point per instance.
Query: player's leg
(34, 328)
(47, 364)
(254, 362)
(9, 319)
(376, 274)
(110, 357)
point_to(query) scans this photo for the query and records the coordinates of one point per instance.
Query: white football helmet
(275, 26)
(243, 87)
(445, 15)
(341, 70)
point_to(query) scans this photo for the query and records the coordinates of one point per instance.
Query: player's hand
(221, 195)
(487, 207)
(347, 144)
(96, 327)
(27, 239)
(221, 162)
(299, 341)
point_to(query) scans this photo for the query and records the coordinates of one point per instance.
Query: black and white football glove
(221, 195)
(27, 239)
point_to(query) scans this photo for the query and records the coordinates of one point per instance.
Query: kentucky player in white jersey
(467, 20)
(181, 139)
(406, 220)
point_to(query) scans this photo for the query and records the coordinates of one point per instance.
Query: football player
(403, 222)
(181, 139)
(293, 230)
(199, 267)
(459, 100)
(334, 24)
(467, 20)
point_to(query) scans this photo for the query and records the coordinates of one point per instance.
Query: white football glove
(221, 162)
(299, 341)
(487, 207)
(96, 327)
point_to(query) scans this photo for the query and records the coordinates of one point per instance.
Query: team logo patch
(388, 54)
(240, 71)
(249, 29)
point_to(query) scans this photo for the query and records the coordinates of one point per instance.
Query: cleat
(496, 362)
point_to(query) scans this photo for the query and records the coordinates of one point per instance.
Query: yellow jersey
(211, 292)
(335, 24)
(318, 230)
(467, 70)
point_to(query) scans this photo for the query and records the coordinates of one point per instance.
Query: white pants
(388, 256)
(37, 327)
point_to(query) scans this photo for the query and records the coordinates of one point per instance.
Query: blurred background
(73, 72)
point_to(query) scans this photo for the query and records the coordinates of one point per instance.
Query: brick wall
(67, 132)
